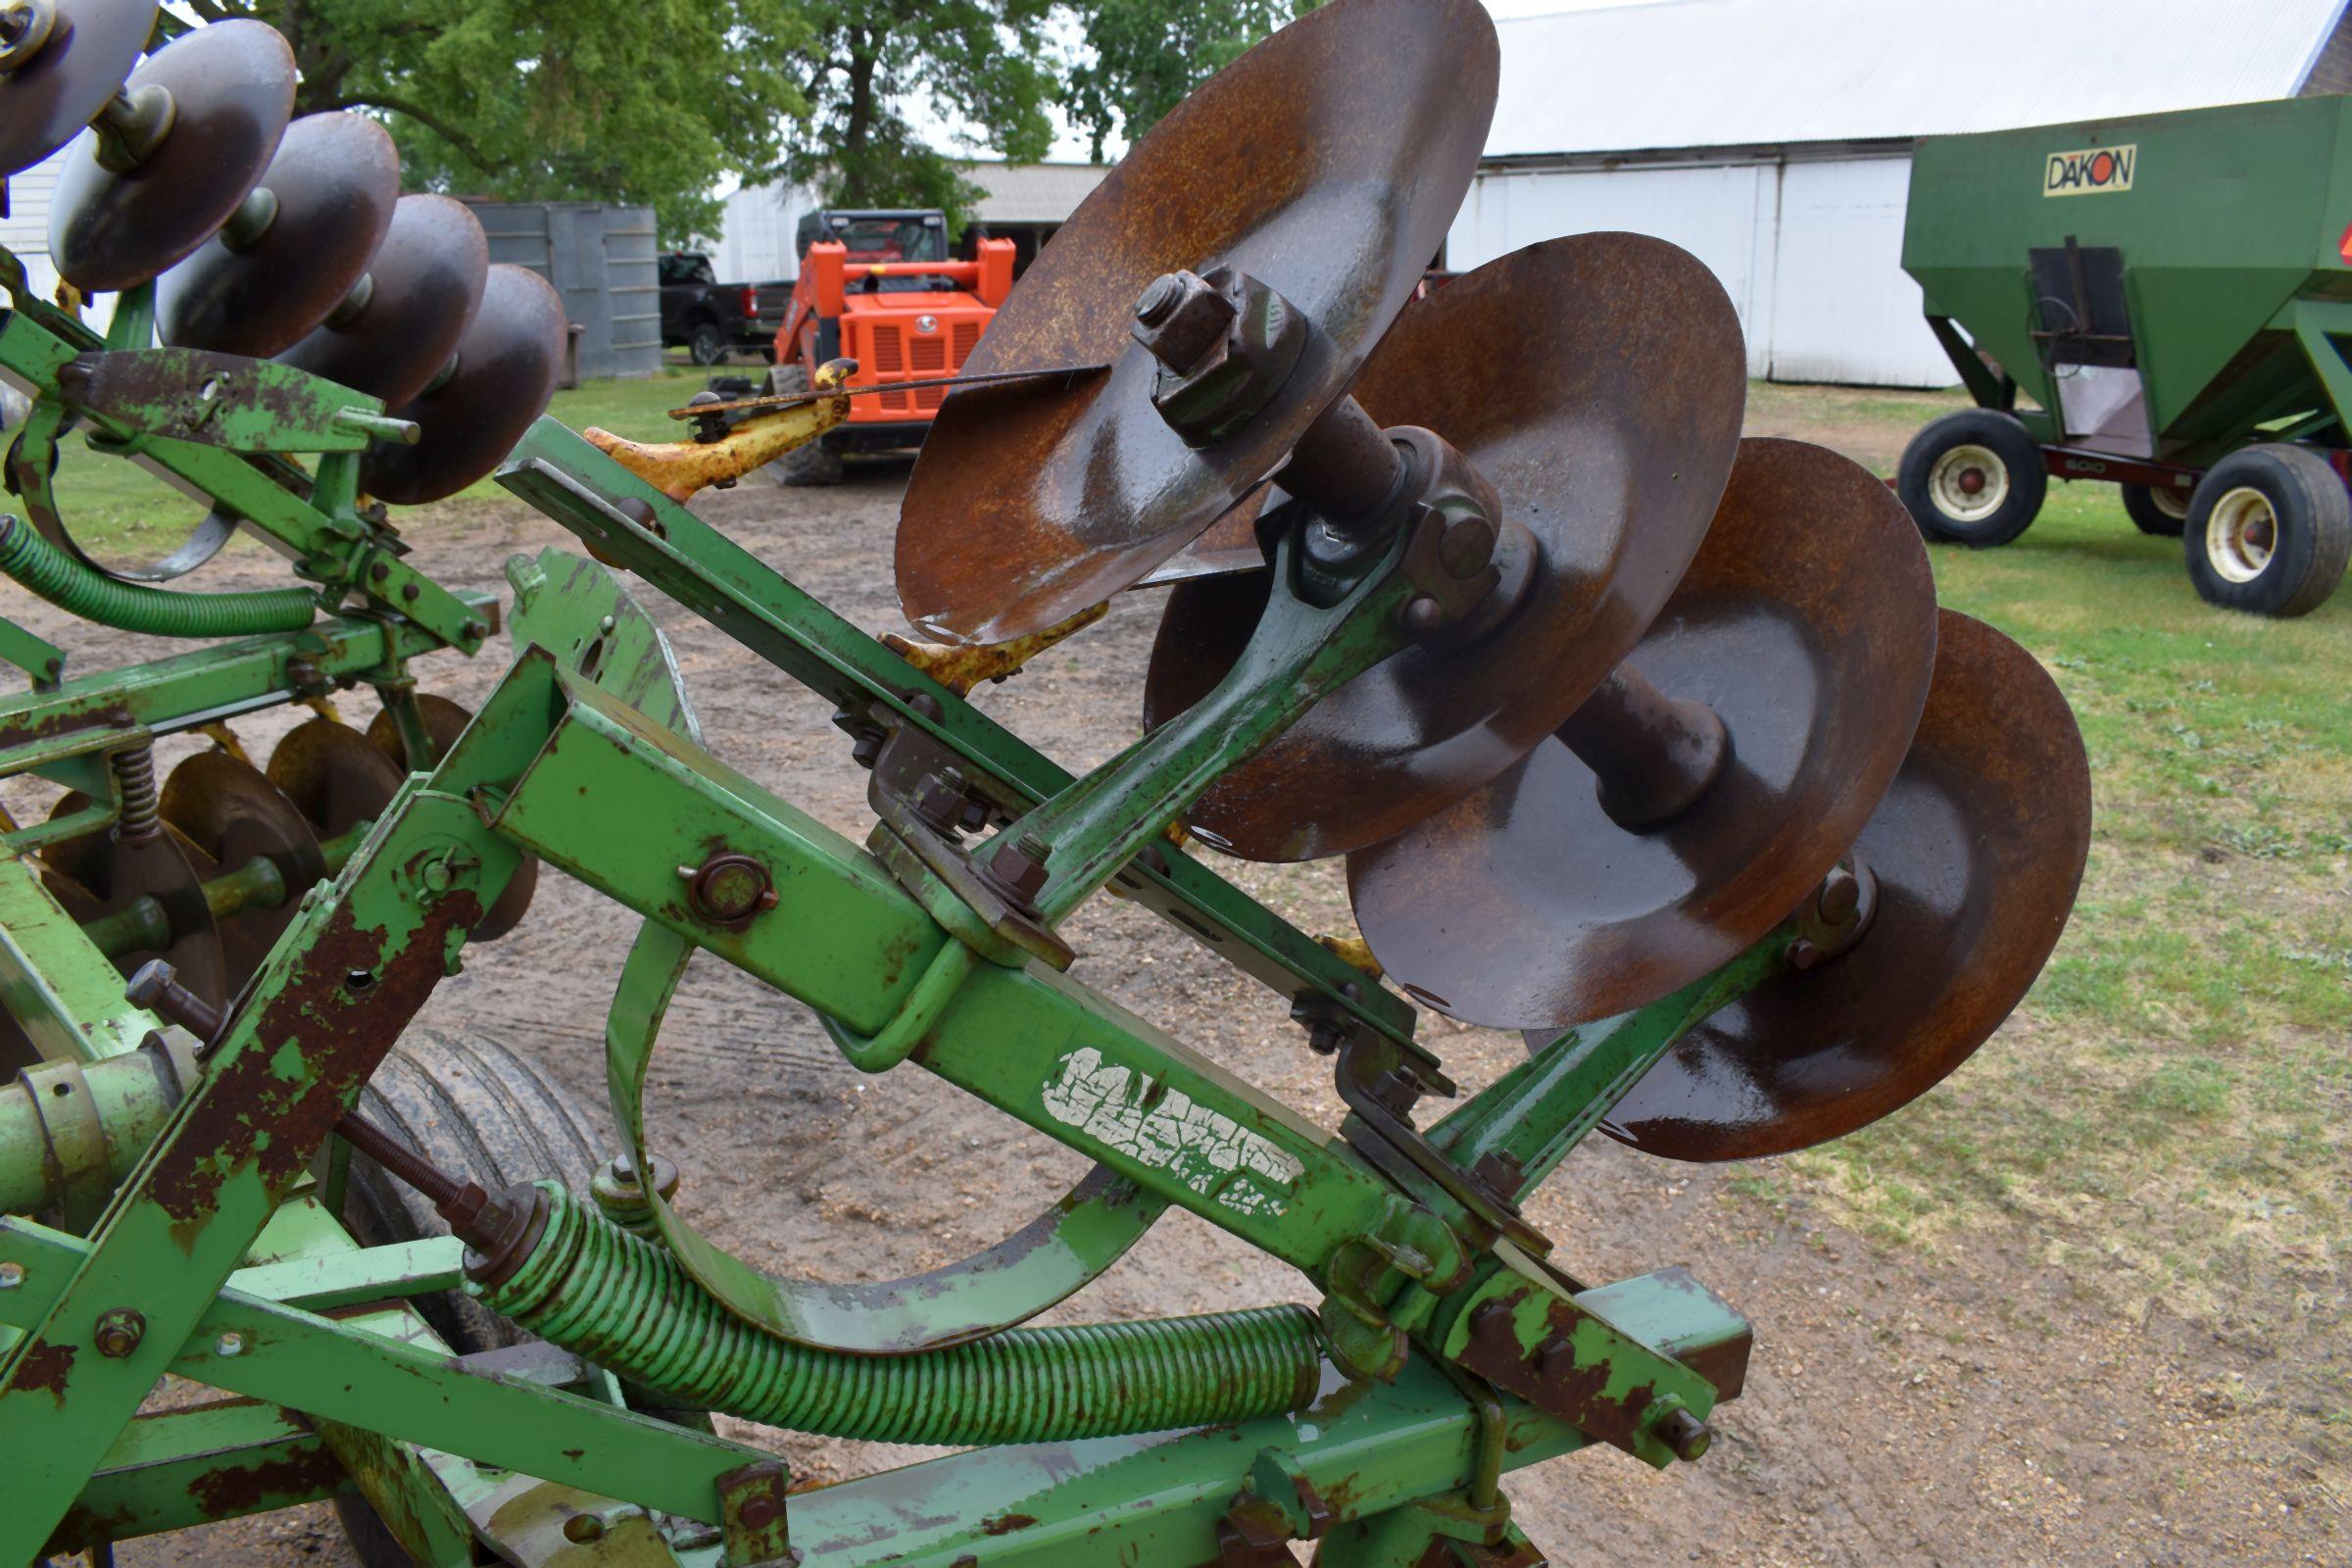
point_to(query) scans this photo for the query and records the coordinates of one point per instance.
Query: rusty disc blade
(1229, 545)
(1327, 163)
(46, 101)
(235, 815)
(1608, 431)
(232, 91)
(1807, 622)
(99, 874)
(333, 776)
(507, 362)
(1977, 848)
(425, 284)
(444, 722)
(336, 177)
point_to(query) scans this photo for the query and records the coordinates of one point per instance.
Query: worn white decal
(1117, 1107)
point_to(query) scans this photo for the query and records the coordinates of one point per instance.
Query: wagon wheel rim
(2242, 535)
(1968, 483)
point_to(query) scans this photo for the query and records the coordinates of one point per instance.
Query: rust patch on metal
(251, 1115)
(47, 1367)
(235, 1490)
(1007, 1523)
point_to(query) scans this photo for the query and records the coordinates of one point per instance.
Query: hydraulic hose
(81, 590)
(627, 1304)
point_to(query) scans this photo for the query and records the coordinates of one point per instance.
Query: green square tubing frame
(365, 953)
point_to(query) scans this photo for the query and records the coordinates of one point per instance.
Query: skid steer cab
(879, 287)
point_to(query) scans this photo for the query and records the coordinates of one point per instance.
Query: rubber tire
(2314, 512)
(707, 343)
(819, 463)
(2003, 436)
(476, 1109)
(2147, 514)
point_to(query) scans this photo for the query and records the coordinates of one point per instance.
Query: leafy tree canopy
(1147, 54)
(650, 102)
(986, 62)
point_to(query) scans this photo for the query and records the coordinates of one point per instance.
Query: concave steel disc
(235, 815)
(1327, 163)
(1977, 848)
(1807, 622)
(507, 362)
(336, 177)
(46, 101)
(100, 874)
(232, 89)
(425, 282)
(333, 776)
(1607, 428)
(444, 722)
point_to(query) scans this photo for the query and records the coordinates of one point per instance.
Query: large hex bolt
(1020, 873)
(1180, 317)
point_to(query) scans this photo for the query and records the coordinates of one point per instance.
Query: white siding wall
(26, 229)
(758, 241)
(1810, 252)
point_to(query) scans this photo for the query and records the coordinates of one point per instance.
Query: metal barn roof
(1693, 74)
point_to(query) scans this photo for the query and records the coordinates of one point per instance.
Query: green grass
(119, 510)
(2170, 1106)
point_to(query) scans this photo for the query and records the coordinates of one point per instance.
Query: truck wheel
(2269, 531)
(706, 344)
(477, 1110)
(1974, 477)
(2157, 509)
(819, 462)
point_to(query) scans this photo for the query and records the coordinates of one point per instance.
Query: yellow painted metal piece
(961, 667)
(220, 735)
(1353, 951)
(680, 468)
(325, 708)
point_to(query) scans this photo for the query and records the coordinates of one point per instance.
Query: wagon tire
(479, 1111)
(2159, 511)
(2269, 531)
(813, 463)
(707, 343)
(1974, 477)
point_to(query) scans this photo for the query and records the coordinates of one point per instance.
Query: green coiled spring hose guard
(74, 587)
(624, 1303)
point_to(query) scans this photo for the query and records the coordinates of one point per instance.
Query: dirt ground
(1986, 1409)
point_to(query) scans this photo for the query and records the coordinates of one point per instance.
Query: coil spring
(626, 1304)
(135, 778)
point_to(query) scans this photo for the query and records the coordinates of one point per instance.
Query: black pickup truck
(708, 318)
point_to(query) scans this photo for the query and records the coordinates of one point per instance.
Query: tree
(651, 102)
(1147, 54)
(986, 62)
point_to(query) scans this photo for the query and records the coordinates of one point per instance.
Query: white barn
(1773, 138)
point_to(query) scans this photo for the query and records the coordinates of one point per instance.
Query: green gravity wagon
(2172, 293)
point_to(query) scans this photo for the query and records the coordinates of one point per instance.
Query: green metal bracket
(581, 487)
(36, 655)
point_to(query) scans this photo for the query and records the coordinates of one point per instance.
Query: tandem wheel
(1974, 477)
(2268, 531)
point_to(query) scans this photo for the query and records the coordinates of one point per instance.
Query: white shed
(759, 226)
(1772, 138)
